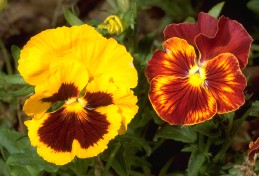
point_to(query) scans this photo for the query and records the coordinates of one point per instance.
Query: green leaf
(13, 141)
(190, 148)
(19, 171)
(4, 168)
(215, 10)
(183, 134)
(71, 18)
(15, 53)
(29, 157)
(253, 5)
(166, 166)
(208, 128)
(129, 19)
(195, 162)
(26, 90)
(14, 79)
(138, 142)
(177, 9)
(123, 5)
(190, 20)
(255, 109)
(113, 4)
(117, 166)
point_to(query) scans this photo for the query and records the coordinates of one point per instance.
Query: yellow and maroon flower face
(253, 151)
(91, 114)
(83, 95)
(188, 89)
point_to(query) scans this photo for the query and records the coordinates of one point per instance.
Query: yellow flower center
(75, 104)
(197, 76)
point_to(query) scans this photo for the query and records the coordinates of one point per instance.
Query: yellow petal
(52, 45)
(34, 106)
(105, 57)
(66, 82)
(125, 100)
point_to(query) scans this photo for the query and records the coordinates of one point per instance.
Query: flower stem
(220, 155)
(6, 58)
(201, 143)
(109, 162)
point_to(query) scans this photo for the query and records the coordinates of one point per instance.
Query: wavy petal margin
(177, 59)
(84, 125)
(99, 56)
(105, 57)
(226, 82)
(64, 134)
(231, 37)
(184, 93)
(206, 25)
(253, 151)
(49, 46)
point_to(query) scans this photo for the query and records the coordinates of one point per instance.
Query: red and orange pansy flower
(198, 74)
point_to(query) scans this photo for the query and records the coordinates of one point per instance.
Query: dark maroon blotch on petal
(61, 128)
(65, 92)
(97, 99)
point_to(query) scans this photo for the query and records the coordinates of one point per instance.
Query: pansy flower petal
(123, 99)
(51, 45)
(66, 82)
(177, 59)
(231, 37)
(206, 25)
(179, 102)
(114, 120)
(126, 102)
(35, 106)
(73, 131)
(226, 82)
(253, 151)
(105, 57)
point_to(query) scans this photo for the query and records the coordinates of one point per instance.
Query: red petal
(231, 37)
(253, 149)
(177, 59)
(226, 82)
(206, 25)
(179, 102)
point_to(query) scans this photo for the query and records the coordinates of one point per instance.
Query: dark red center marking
(97, 99)
(87, 127)
(66, 91)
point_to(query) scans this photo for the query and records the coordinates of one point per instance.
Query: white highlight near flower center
(75, 104)
(76, 100)
(194, 70)
(82, 102)
(70, 101)
(197, 76)
(167, 51)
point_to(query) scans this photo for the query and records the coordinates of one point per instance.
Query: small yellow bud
(112, 24)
